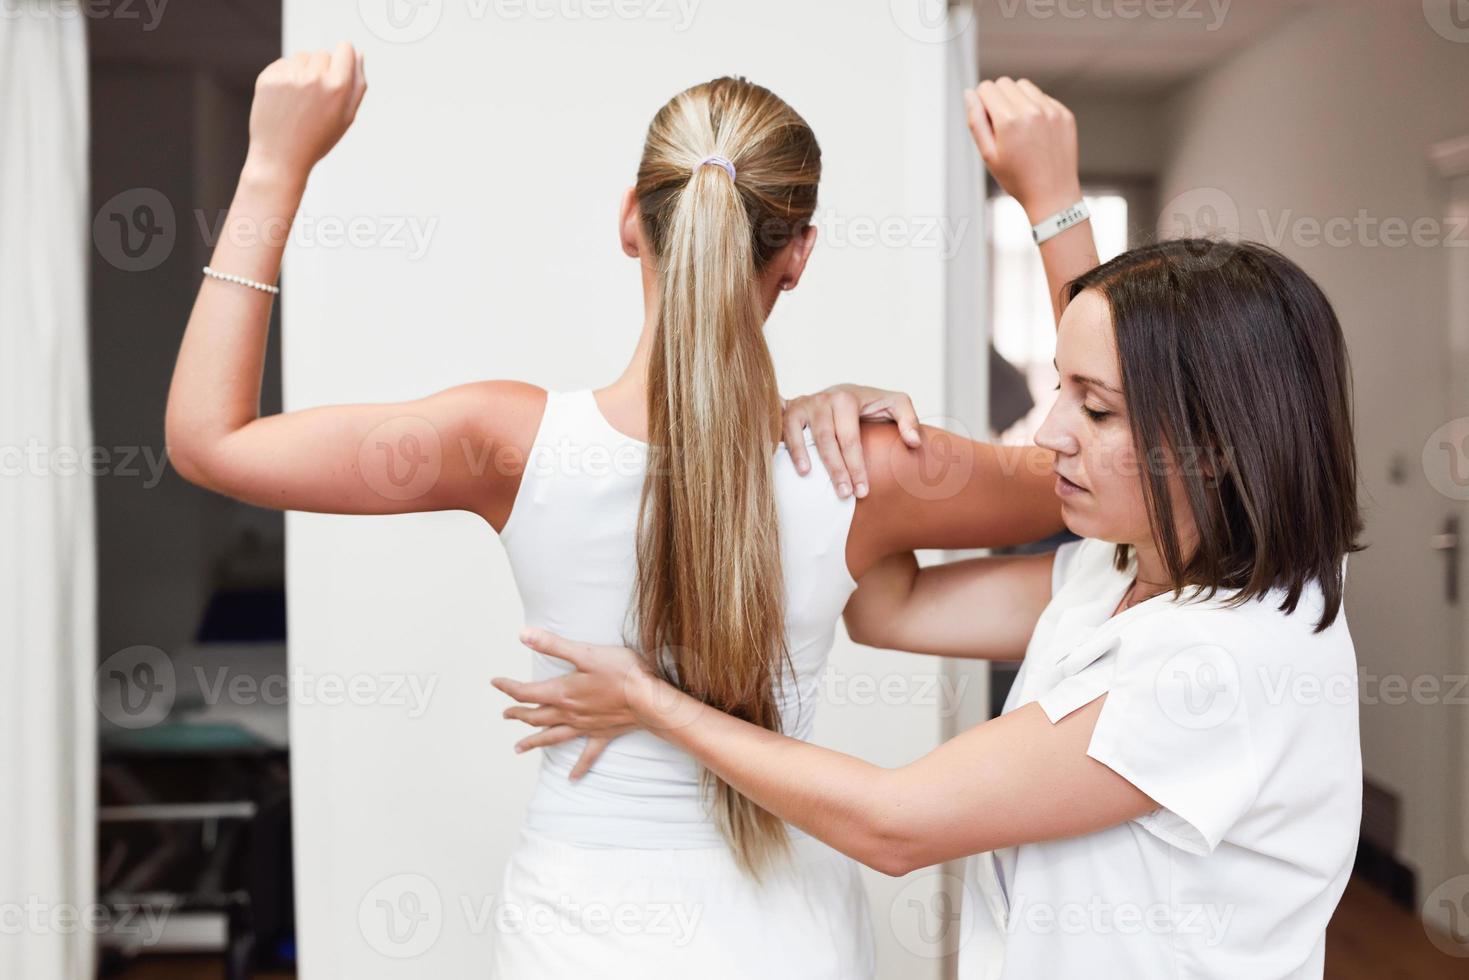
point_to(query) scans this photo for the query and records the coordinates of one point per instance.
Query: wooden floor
(1370, 938)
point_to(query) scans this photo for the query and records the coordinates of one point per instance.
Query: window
(1020, 312)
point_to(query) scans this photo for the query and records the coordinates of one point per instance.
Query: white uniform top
(1242, 724)
(571, 542)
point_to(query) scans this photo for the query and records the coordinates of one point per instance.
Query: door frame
(1450, 160)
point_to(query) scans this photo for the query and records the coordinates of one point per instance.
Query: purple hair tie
(718, 161)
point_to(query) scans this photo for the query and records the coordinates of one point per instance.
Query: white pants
(569, 912)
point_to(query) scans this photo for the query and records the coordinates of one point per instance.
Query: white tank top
(571, 539)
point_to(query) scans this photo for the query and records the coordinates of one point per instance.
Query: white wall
(507, 139)
(1118, 135)
(1329, 118)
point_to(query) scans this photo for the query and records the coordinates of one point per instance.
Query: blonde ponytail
(710, 592)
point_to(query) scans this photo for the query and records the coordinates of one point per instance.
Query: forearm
(931, 610)
(832, 796)
(216, 380)
(1068, 254)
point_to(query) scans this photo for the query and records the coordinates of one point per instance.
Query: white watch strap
(1060, 221)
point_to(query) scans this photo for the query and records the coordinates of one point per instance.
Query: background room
(263, 743)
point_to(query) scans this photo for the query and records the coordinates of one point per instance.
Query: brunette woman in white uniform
(660, 510)
(1174, 787)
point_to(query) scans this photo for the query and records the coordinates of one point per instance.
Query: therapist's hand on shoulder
(834, 416)
(1028, 142)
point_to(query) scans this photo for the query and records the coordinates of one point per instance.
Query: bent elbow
(185, 447)
(862, 630)
(890, 864)
(183, 458)
(889, 845)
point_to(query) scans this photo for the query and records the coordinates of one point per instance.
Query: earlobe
(799, 256)
(628, 224)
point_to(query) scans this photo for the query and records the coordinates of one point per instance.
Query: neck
(631, 387)
(1151, 574)
(633, 382)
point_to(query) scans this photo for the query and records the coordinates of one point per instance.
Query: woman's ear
(1217, 464)
(629, 224)
(800, 251)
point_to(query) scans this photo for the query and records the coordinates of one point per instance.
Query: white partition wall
(466, 229)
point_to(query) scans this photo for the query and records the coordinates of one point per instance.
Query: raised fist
(303, 104)
(1028, 142)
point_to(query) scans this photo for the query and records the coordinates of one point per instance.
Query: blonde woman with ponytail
(663, 511)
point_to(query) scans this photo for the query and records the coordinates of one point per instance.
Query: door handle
(1448, 543)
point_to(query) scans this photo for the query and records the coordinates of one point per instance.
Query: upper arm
(950, 492)
(462, 448)
(1015, 779)
(978, 607)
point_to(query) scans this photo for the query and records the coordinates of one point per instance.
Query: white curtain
(48, 767)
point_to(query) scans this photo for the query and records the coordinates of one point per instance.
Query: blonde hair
(710, 593)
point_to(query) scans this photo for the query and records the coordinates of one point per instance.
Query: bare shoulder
(502, 409)
(497, 421)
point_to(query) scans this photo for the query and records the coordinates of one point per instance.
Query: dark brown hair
(1235, 369)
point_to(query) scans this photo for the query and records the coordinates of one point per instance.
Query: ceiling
(1087, 47)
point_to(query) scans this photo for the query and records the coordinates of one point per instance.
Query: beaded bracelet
(253, 284)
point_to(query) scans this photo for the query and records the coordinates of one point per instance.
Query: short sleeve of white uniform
(1175, 724)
